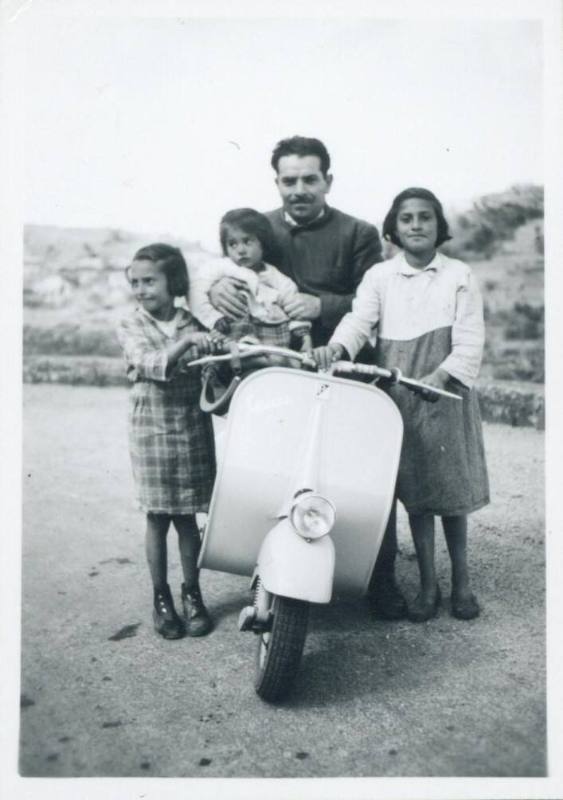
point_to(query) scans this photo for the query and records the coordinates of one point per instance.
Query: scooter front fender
(290, 566)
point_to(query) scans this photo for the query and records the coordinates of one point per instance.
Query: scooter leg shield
(290, 566)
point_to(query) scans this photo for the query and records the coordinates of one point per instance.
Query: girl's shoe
(468, 608)
(167, 623)
(196, 617)
(421, 611)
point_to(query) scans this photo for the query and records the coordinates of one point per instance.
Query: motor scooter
(304, 488)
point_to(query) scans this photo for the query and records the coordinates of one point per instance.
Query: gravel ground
(103, 696)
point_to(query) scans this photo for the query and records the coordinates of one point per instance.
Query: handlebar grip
(371, 370)
(426, 394)
(394, 376)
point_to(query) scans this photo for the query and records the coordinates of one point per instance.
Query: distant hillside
(81, 270)
(53, 247)
(75, 286)
(494, 222)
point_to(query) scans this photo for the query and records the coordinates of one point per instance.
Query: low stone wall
(519, 404)
(75, 370)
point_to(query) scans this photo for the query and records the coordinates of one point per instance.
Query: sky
(163, 124)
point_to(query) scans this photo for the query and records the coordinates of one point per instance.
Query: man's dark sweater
(326, 258)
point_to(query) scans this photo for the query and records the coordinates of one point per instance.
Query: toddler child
(248, 242)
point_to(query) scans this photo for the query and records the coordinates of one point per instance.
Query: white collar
(404, 268)
(290, 221)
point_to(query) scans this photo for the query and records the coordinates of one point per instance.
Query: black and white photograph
(279, 336)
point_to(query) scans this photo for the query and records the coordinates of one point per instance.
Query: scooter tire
(280, 649)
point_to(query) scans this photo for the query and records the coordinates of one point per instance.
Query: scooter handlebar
(245, 350)
(253, 356)
(394, 375)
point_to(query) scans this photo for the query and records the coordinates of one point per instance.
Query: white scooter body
(289, 431)
(292, 567)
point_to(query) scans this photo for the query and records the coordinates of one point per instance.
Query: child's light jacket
(268, 290)
(413, 310)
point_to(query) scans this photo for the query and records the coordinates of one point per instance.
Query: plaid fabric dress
(278, 335)
(170, 439)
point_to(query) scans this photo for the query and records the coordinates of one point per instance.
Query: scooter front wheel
(280, 648)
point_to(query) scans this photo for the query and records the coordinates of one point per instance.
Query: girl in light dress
(427, 313)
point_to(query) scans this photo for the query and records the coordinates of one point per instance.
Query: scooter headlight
(312, 516)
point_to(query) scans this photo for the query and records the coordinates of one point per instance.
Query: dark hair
(171, 262)
(253, 223)
(301, 146)
(415, 193)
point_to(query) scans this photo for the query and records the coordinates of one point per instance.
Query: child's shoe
(420, 611)
(196, 618)
(167, 623)
(468, 608)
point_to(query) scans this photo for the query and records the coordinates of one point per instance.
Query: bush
(512, 405)
(516, 364)
(525, 322)
(493, 220)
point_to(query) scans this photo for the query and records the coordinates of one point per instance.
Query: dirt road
(103, 696)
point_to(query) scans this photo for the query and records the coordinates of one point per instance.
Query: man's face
(302, 186)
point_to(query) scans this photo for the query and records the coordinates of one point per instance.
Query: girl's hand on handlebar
(327, 355)
(438, 378)
(203, 344)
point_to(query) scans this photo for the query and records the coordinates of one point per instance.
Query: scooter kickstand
(247, 618)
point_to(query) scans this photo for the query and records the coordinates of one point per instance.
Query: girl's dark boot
(167, 623)
(196, 617)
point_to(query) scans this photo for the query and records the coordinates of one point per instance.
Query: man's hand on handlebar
(327, 355)
(229, 295)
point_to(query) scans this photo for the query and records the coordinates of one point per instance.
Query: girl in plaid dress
(248, 243)
(428, 313)
(170, 439)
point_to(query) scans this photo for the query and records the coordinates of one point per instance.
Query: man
(326, 253)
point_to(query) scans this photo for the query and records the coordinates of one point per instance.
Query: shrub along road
(102, 695)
